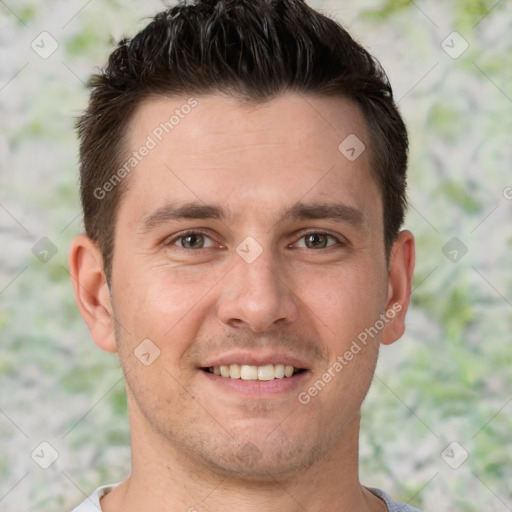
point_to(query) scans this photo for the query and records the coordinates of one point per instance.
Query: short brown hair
(254, 50)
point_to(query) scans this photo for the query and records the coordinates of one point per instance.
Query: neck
(165, 480)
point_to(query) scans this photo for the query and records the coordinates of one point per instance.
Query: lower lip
(257, 388)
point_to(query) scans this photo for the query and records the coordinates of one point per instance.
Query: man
(243, 186)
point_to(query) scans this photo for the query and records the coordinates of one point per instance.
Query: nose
(258, 296)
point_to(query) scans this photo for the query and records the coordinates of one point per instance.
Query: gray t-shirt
(393, 506)
(92, 503)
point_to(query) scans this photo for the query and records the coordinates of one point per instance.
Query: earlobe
(401, 270)
(91, 291)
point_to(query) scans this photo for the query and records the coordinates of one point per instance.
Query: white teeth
(249, 372)
(266, 372)
(279, 371)
(234, 371)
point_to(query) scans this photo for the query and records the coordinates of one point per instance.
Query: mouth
(267, 372)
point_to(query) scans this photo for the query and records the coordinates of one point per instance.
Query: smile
(248, 372)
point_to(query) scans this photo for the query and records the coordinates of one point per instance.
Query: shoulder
(92, 503)
(393, 506)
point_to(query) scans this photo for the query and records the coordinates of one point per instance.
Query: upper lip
(255, 359)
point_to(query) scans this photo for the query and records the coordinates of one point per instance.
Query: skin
(196, 443)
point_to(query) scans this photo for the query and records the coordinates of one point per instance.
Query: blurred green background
(448, 380)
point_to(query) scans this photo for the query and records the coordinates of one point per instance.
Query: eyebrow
(181, 211)
(299, 211)
(329, 211)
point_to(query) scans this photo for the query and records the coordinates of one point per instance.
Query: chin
(264, 462)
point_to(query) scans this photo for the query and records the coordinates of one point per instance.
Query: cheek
(165, 305)
(346, 300)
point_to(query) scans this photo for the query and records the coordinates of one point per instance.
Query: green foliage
(387, 9)
(463, 198)
(85, 42)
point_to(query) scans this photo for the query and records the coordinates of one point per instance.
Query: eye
(192, 240)
(317, 240)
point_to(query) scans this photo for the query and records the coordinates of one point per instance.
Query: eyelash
(323, 233)
(199, 232)
(184, 234)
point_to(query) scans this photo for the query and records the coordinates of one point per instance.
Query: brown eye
(193, 240)
(317, 240)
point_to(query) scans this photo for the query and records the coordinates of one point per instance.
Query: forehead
(215, 147)
(215, 120)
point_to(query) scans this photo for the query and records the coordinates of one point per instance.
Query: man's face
(246, 237)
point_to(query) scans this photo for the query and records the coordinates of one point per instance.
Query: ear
(401, 270)
(91, 291)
